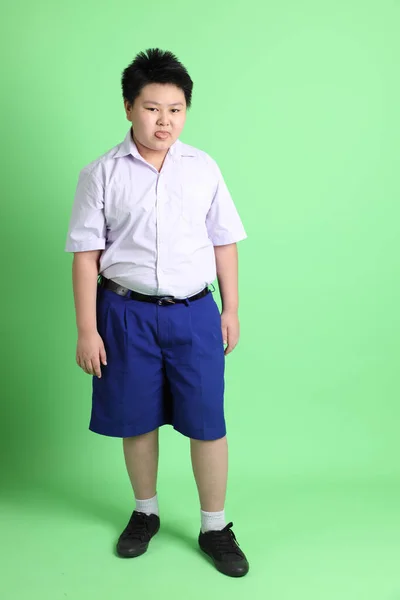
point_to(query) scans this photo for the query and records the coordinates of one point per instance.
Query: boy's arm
(226, 258)
(90, 351)
(85, 272)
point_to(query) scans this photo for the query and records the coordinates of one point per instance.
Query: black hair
(155, 66)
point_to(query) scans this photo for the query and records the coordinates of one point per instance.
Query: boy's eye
(152, 108)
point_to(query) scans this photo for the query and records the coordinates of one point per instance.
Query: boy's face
(148, 117)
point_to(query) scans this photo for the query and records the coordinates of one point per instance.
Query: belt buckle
(169, 299)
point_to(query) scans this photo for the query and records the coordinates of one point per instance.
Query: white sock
(212, 521)
(149, 506)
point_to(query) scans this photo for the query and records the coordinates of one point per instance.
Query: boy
(152, 225)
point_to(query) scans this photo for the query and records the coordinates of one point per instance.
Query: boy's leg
(194, 356)
(141, 454)
(141, 459)
(210, 469)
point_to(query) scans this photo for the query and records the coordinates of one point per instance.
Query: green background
(299, 104)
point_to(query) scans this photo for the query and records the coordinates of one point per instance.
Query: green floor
(308, 540)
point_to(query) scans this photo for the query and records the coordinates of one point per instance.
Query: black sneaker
(223, 548)
(135, 538)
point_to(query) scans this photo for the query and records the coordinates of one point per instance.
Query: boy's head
(157, 91)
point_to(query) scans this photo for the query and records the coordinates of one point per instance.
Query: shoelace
(138, 527)
(225, 541)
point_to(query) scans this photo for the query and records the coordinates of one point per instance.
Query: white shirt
(157, 230)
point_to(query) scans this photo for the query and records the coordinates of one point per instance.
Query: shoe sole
(138, 552)
(220, 569)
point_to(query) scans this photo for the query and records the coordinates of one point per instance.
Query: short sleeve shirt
(157, 230)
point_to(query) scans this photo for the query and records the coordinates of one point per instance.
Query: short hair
(155, 66)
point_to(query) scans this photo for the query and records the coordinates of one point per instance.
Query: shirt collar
(128, 146)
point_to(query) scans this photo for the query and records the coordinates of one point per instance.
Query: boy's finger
(87, 366)
(96, 368)
(103, 356)
(230, 348)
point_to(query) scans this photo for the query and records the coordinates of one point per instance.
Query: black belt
(109, 284)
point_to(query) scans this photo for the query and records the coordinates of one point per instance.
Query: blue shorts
(165, 365)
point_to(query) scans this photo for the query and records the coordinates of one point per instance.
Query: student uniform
(158, 319)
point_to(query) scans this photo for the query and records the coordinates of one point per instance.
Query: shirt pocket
(196, 198)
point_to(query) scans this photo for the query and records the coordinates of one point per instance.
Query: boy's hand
(89, 352)
(230, 330)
